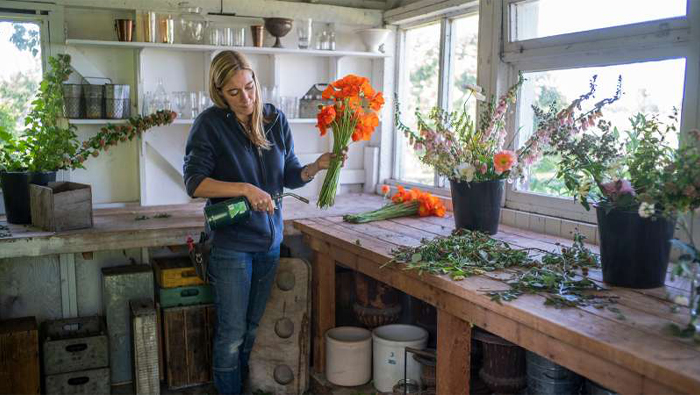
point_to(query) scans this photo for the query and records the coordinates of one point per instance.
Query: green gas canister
(236, 210)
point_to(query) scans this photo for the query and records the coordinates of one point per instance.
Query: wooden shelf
(205, 48)
(179, 121)
(95, 121)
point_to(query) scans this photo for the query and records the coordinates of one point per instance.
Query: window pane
(641, 93)
(20, 77)
(419, 87)
(543, 18)
(464, 51)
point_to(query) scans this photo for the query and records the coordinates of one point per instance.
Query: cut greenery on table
(560, 277)
(403, 204)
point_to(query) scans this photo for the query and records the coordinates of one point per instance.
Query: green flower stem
(342, 132)
(392, 210)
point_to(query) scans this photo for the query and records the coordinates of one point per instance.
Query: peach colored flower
(503, 161)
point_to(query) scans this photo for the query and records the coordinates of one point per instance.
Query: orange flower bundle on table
(353, 115)
(403, 204)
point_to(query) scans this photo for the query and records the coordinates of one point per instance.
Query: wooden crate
(185, 296)
(189, 332)
(61, 206)
(119, 285)
(88, 382)
(19, 356)
(144, 335)
(75, 344)
(172, 272)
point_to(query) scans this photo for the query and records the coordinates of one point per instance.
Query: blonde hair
(223, 68)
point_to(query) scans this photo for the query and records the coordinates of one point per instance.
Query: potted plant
(637, 181)
(473, 157)
(49, 142)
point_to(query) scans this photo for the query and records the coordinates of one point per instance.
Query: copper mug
(124, 28)
(257, 33)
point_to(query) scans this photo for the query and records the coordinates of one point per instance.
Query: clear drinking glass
(239, 36)
(226, 36)
(194, 104)
(214, 36)
(304, 31)
(203, 100)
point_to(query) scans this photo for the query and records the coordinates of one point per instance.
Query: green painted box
(185, 296)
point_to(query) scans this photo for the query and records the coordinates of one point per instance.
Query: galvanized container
(144, 326)
(592, 388)
(75, 344)
(548, 378)
(117, 104)
(120, 284)
(94, 101)
(308, 105)
(73, 100)
(89, 382)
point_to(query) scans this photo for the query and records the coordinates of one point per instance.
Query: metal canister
(308, 105)
(94, 100)
(72, 98)
(117, 101)
(227, 213)
(546, 377)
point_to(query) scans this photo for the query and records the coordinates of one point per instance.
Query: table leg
(323, 305)
(454, 340)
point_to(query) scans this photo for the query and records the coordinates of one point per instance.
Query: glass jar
(193, 25)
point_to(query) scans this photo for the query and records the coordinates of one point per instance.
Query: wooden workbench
(117, 228)
(627, 351)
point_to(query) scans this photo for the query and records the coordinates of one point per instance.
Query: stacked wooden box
(146, 346)
(76, 356)
(188, 322)
(19, 356)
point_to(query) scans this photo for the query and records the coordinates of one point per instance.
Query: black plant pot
(15, 193)
(477, 205)
(634, 251)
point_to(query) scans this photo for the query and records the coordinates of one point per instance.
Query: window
(642, 94)
(419, 87)
(438, 61)
(552, 42)
(532, 19)
(19, 78)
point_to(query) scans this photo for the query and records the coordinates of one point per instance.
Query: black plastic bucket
(477, 205)
(634, 251)
(15, 193)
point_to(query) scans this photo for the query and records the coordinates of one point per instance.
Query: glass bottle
(331, 37)
(160, 97)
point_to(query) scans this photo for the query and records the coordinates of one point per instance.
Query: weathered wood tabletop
(626, 349)
(119, 228)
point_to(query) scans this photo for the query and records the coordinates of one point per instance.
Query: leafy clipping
(561, 277)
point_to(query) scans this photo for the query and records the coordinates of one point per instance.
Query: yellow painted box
(173, 272)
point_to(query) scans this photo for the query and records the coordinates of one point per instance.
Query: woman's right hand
(259, 200)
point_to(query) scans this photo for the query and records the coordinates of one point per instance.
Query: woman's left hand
(324, 161)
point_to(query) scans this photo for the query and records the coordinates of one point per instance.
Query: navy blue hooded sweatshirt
(218, 148)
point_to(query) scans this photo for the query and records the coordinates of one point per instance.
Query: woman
(240, 147)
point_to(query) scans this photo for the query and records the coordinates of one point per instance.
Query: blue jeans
(241, 283)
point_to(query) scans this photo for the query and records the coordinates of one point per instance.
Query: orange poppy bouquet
(403, 204)
(452, 143)
(353, 115)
